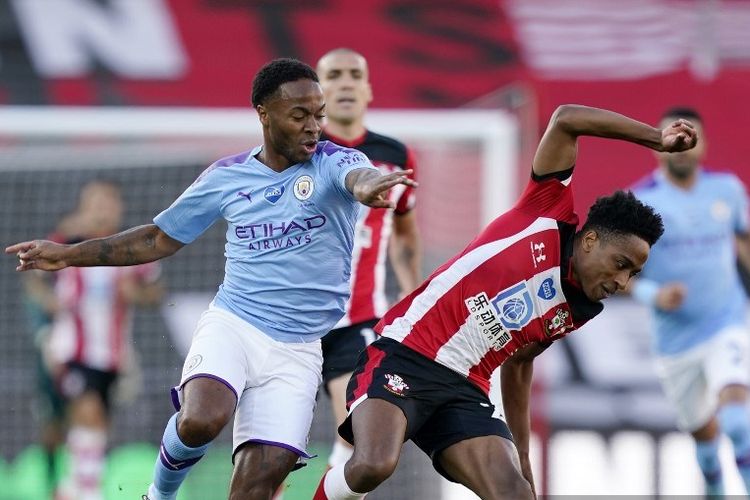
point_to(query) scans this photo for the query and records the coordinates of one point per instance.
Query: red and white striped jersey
(93, 326)
(510, 287)
(373, 229)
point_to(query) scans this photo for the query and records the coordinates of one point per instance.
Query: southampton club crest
(303, 187)
(396, 384)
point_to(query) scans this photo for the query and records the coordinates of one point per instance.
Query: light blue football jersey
(289, 237)
(697, 249)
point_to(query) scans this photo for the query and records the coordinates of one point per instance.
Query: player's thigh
(259, 469)
(487, 465)
(727, 364)
(87, 393)
(337, 392)
(378, 428)
(218, 365)
(388, 372)
(683, 380)
(278, 408)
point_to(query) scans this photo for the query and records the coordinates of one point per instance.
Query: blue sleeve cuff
(645, 291)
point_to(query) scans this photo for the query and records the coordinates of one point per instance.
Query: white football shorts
(275, 382)
(692, 380)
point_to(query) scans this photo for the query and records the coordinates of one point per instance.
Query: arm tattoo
(105, 253)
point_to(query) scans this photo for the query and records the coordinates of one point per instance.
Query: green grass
(129, 469)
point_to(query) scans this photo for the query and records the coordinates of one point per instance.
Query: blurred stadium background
(138, 91)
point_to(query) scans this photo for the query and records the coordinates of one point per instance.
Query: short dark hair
(622, 214)
(276, 73)
(685, 112)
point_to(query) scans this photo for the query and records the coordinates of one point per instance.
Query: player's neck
(275, 162)
(349, 132)
(685, 183)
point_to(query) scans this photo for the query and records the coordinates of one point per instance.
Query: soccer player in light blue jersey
(290, 207)
(693, 286)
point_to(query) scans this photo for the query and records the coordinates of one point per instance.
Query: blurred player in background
(699, 306)
(89, 345)
(291, 206)
(528, 279)
(344, 77)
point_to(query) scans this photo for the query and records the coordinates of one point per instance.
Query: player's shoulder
(719, 177)
(225, 165)
(385, 141)
(646, 184)
(385, 148)
(341, 156)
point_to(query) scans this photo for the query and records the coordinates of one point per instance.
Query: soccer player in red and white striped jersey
(344, 77)
(528, 279)
(89, 344)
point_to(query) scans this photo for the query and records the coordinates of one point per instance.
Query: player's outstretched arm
(515, 380)
(370, 187)
(557, 149)
(137, 245)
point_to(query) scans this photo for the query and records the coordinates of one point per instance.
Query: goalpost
(467, 165)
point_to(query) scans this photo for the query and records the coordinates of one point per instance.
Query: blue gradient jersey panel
(289, 237)
(697, 249)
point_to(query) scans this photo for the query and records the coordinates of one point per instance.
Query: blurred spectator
(88, 350)
(698, 302)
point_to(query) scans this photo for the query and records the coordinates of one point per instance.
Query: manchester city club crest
(303, 187)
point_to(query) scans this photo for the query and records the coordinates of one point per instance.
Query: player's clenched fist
(680, 135)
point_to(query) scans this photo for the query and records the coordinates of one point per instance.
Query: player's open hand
(679, 135)
(373, 191)
(671, 296)
(38, 254)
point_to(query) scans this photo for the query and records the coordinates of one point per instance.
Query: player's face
(684, 164)
(344, 79)
(100, 210)
(604, 266)
(292, 120)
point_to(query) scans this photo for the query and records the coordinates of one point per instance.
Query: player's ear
(262, 114)
(588, 240)
(369, 93)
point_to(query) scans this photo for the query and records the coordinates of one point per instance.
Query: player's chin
(302, 157)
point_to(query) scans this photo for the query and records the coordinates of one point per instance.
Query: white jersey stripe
(469, 345)
(464, 349)
(440, 284)
(380, 303)
(356, 253)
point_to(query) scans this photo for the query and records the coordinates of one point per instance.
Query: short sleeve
(347, 160)
(408, 199)
(550, 196)
(197, 208)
